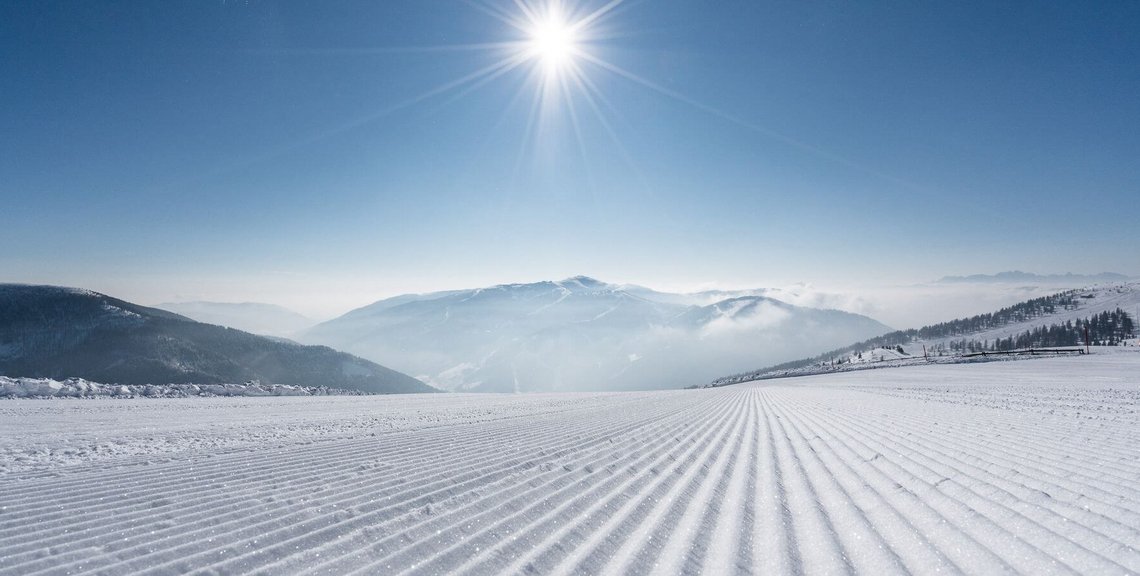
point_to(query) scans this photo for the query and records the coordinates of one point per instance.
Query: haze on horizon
(325, 156)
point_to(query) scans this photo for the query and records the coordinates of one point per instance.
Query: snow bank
(80, 388)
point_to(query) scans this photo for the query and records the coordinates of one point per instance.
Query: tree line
(1021, 312)
(1107, 328)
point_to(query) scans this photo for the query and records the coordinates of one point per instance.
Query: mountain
(581, 333)
(54, 332)
(1017, 276)
(253, 317)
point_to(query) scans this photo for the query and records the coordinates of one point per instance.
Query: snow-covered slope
(977, 333)
(1005, 468)
(580, 333)
(1090, 300)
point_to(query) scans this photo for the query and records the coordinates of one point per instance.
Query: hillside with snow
(582, 334)
(1085, 303)
(59, 333)
(1056, 321)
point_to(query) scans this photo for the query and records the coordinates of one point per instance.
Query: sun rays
(560, 54)
(553, 41)
(556, 47)
(557, 44)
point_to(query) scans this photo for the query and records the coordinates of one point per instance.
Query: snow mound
(80, 388)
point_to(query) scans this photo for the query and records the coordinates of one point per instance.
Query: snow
(1026, 467)
(80, 388)
(116, 311)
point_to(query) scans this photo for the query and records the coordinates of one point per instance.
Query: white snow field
(1028, 467)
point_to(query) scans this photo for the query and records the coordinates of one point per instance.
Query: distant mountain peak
(583, 283)
(581, 333)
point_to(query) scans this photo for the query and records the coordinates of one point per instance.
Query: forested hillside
(54, 332)
(1058, 320)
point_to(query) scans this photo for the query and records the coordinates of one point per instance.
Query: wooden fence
(1030, 351)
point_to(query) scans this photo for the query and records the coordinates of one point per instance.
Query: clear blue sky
(323, 151)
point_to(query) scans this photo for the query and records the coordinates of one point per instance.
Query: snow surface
(1025, 467)
(80, 388)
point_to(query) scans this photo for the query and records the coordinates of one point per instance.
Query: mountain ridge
(575, 333)
(59, 332)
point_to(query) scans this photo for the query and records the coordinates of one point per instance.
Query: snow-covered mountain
(581, 333)
(54, 332)
(253, 317)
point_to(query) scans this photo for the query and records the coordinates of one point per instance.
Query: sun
(553, 42)
(556, 47)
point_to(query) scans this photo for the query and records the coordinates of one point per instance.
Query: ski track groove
(809, 521)
(590, 507)
(304, 488)
(493, 506)
(1059, 498)
(222, 469)
(1056, 484)
(781, 477)
(614, 537)
(726, 548)
(506, 525)
(1034, 438)
(320, 480)
(1040, 442)
(873, 493)
(1119, 491)
(947, 530)
(672, 542)
(853, 531)
(964, 478)
(477, 474)
(420, 438)
(957, 507)
(775, 533)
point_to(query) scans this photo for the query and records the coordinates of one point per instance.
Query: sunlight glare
(553, 43)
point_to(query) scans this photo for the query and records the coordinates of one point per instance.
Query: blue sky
(312, 154)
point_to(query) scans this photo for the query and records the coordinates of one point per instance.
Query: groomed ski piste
(1027, 467)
